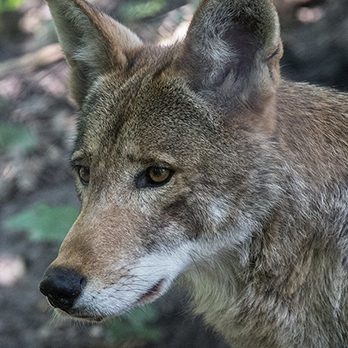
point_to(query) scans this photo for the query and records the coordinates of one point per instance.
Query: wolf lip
(79, 316)
(87, 318)
(152, 292)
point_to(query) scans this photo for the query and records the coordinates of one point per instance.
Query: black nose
(62, 286)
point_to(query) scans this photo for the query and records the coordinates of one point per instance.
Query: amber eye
(158, 175)
(83, 173)
(154, 176)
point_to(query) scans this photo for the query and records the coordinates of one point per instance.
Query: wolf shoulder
(312, 127)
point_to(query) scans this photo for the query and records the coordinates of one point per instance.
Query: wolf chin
(197, 162)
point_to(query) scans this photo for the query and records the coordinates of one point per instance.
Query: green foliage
(43, 222)
(140, 9)
(137, 326)
(16, 138)
(4, 103)
(9, 5)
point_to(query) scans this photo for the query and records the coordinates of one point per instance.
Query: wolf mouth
(88, 318)
(78, 315)
(152, 293)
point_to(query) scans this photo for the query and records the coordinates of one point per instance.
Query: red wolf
(196, 161)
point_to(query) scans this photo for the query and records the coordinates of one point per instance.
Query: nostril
(62, 286)
(83, 282)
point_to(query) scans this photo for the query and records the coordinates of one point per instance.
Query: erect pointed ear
(93, 43)
(232, 51)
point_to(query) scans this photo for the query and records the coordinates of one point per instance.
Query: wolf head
(173, 159)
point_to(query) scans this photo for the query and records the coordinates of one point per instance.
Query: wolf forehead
(153, 110)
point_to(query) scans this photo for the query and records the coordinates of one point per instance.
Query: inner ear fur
(231, 52)
(93, 42)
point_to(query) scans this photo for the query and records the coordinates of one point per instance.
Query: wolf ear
(93, 43)
(232, 50)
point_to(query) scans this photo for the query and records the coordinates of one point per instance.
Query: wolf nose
(62, 286)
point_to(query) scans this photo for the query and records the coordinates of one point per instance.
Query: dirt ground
(33, 94)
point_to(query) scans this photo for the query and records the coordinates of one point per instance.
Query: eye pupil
(84, 174)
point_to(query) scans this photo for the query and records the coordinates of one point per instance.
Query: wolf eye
(84, 174)
(154, 176)
(158, 175)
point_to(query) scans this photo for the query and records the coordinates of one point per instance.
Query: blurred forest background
(37, 198)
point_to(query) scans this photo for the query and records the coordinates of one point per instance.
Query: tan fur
(255, 217)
